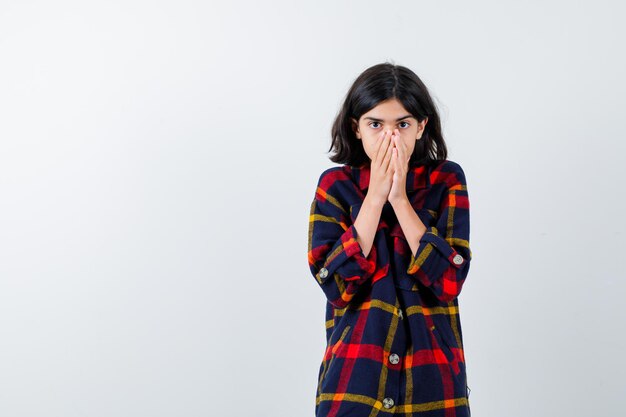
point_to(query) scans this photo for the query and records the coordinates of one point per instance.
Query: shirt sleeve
(442, 259)
(335, 257)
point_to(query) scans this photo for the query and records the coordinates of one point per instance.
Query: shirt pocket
(446, 341)
(442, 343)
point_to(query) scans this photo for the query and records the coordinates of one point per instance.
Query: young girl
(389, 247)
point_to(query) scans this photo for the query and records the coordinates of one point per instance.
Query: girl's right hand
(381, 169)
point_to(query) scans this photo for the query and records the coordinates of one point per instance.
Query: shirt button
(400, 314)
(458, 259)
(388, 402)
(394, 358)
(323, 273)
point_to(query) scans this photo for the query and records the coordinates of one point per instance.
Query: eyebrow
(397, 120)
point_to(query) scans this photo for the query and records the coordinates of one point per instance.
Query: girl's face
(388, 115)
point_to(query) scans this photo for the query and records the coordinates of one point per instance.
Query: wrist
(399, 201)
(376, 202)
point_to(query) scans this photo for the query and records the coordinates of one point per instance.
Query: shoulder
(448, 166)
(333, 175)
(337, 186)
(448, 172)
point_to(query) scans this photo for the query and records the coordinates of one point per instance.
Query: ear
(422, 126)
(355, 127)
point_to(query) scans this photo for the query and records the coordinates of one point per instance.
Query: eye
(371, 124)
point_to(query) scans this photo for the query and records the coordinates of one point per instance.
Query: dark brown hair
(376, 84)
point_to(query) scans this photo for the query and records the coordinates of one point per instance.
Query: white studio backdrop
(158, 159)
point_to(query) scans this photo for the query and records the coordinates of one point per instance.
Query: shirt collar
(416, 178)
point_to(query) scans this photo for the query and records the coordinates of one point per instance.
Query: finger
(402, 151)
(380, 153)
(399, 143)
(394, 160)
(387, 154)
(397, 147)
(379, 141)
(405, 149)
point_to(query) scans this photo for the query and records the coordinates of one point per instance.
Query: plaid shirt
(393, 330)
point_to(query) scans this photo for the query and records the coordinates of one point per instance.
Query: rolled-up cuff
(433, 256)
(347, 259)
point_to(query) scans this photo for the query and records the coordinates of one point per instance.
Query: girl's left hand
(400, 164)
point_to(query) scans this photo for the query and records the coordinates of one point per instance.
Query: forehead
(388, 110)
